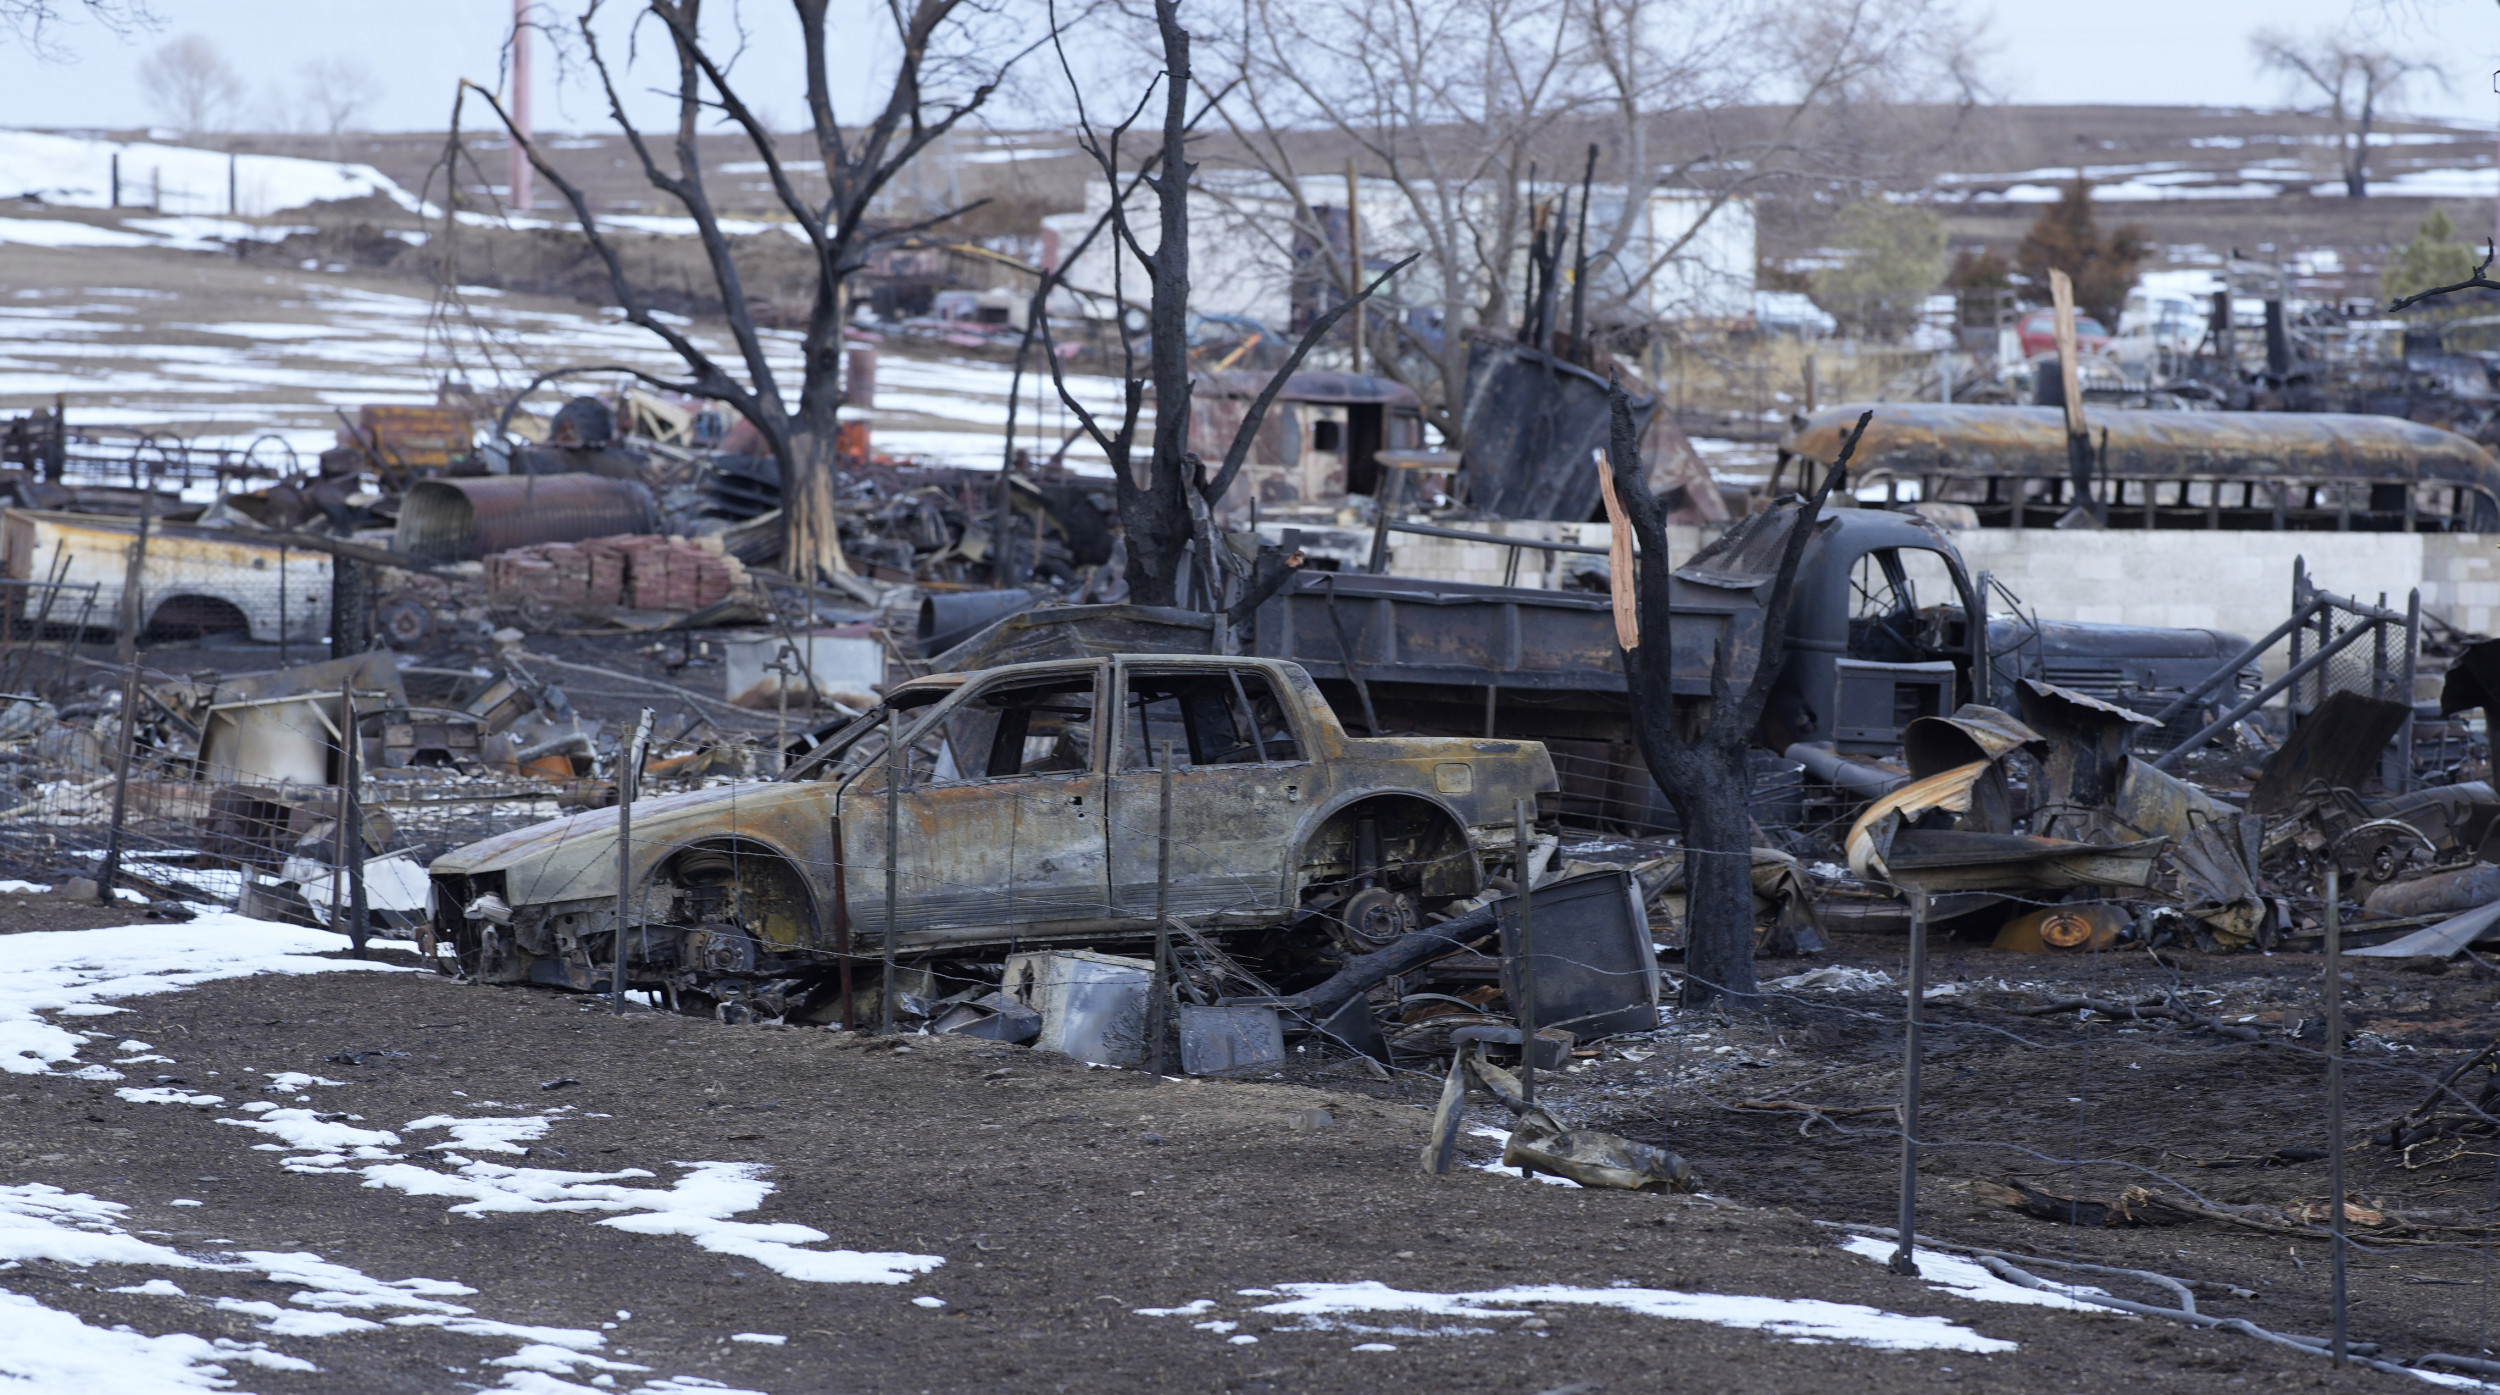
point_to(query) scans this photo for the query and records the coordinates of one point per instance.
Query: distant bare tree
(337, 90)
(2351, 82)
(947, 58)
(191, 85)
(28, 20)
(1457, 103)
(1165, 506)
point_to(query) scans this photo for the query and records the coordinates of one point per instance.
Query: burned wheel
(2376, 851)
(1371, 919)
(404, 621)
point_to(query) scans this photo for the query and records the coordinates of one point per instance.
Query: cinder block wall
(2240, 583)
(2461, 580)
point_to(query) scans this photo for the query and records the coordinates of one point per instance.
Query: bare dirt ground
(1062, 1199)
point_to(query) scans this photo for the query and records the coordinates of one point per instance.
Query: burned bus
(2245, 471)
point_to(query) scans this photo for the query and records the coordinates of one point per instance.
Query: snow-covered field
(148, 323)
(228, 363)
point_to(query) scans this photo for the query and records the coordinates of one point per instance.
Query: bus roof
(1913, 439)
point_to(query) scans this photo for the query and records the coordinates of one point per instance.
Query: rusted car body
(1026, 811)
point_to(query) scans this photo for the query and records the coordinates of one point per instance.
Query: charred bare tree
(1167, 509)
(2477, 282)
(933, 89)
(1699, 756)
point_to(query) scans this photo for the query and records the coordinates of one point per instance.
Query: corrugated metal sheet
(459, 520)
(1910, 439)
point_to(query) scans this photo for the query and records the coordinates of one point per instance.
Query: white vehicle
(2165, 313)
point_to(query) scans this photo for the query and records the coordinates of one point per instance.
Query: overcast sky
(2191, 52)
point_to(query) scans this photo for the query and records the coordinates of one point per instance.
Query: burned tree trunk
(1697, 752)
(1156, 510)
(1152, 509)
(811, 547)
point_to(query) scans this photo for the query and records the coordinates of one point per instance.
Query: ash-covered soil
(1063, 1198)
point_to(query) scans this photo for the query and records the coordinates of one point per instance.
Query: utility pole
(522, 194)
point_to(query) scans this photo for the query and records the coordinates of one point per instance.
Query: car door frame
(1307, 791)
(861, 908)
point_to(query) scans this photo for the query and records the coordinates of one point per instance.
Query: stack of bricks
(638, 572)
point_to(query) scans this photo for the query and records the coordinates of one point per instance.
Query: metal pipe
(2258, 699)
(1865, 779)
(2335, 1097)
(2231, 666)
(628, 780)
(893, 856)
(1163, 912)
(1904, 1260)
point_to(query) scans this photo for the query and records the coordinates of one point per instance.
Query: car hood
(586, 843)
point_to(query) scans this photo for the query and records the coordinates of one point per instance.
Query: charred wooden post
(351, 599)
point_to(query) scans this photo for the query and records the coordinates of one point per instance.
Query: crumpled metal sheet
(1949, 790)
(1953, 860)
(1975, 731)
(2157, 804)
(1593, 1158)
(2338, 744)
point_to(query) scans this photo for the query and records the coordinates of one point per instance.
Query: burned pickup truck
(1023, 806)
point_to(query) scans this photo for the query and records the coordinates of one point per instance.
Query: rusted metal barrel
(460, 520)
(2439, 893)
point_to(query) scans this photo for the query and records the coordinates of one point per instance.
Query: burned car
(1024, 810)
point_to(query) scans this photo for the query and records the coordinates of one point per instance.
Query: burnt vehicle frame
(1027, 811)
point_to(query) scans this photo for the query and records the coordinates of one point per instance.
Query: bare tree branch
(2476, 282)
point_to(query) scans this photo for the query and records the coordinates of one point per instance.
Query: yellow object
(2091, 926)
(1949, 791)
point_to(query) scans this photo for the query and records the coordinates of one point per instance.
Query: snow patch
(50, 1350)
(486, 1135)
(1806, 1320)
(161, 1094)
(1966, 1278)
(71, 972)
(698, 1207)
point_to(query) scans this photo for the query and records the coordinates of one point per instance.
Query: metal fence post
(628, 778)
(1155, 1023)
(352, 820)
(2413, 653)
(2335, 1099)
(893, 856)
(111, 870)
(1904, 1260)
(1523, 977)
